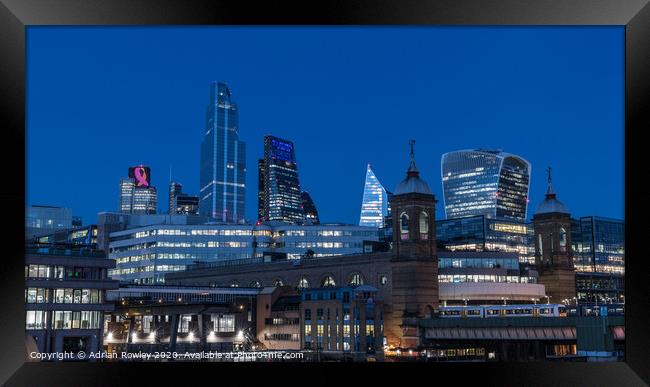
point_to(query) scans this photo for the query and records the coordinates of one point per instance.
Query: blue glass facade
(485, 182)
(374, 206)
(480, 233)
(598, 245)
(223, 160)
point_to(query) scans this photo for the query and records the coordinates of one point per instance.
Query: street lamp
(547, 299)
(534, 300)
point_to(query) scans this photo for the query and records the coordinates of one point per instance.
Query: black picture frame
(16, 15)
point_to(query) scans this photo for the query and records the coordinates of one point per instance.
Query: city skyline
(578, 170)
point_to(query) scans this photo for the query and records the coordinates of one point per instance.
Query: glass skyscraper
(282, 194)
(374, 206)
(485, 182)
(223, 160)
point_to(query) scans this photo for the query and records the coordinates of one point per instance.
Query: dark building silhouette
(261, 196)
(182, 203)
(309, 208)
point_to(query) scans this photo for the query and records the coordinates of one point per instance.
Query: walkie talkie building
(485, 182)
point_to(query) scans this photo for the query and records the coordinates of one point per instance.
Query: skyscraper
(374, 206)
(260, 190)
(282, 194)
(181, 203)
(485, 182)
(223, 160)
(174, 190)
(309, 208)
(137, 195)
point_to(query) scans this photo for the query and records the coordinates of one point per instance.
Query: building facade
(342, 320)
(145, 254)
(599, 254)
(485, 182)
(481, 233)
(163, 318)
(41, 220)
(137, 195)
(374, 205)
(223, 160)
(65, 298)
(553, 252)
(282, 193)
(467, 277)
(309, 209)
(180, 202)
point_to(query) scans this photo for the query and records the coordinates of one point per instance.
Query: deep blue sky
(101, 99)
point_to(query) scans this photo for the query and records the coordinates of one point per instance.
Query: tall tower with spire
(553, 256)
(414, 262)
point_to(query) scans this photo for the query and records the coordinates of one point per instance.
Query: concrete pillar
(129, 337)
(202, 336)
(173, 335)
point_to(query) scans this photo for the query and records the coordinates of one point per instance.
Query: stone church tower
(553, 255)
(414, 263)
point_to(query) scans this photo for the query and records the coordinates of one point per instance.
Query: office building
(144, 254)
(485, 182)
(278, 318)
(374, 205)
(261, 195)
(309, 209)
(342, 319)
(65, 299)
(223, 160)
(599, 257)
(481, 233)
(42, 220)
(469, 277)
(181, 203)
(174, 189)
(137, 195)
(78, 236)
(282, 193)
(164, 318)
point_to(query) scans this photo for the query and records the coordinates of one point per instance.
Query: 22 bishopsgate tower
(223, 160)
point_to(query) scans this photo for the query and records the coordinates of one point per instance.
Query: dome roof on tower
(550, 203)
(412, 183)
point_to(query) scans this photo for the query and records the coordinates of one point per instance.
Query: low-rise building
(65, 297)
(155, 318)
(342, 320)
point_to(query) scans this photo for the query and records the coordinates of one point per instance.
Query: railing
(62, 251)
